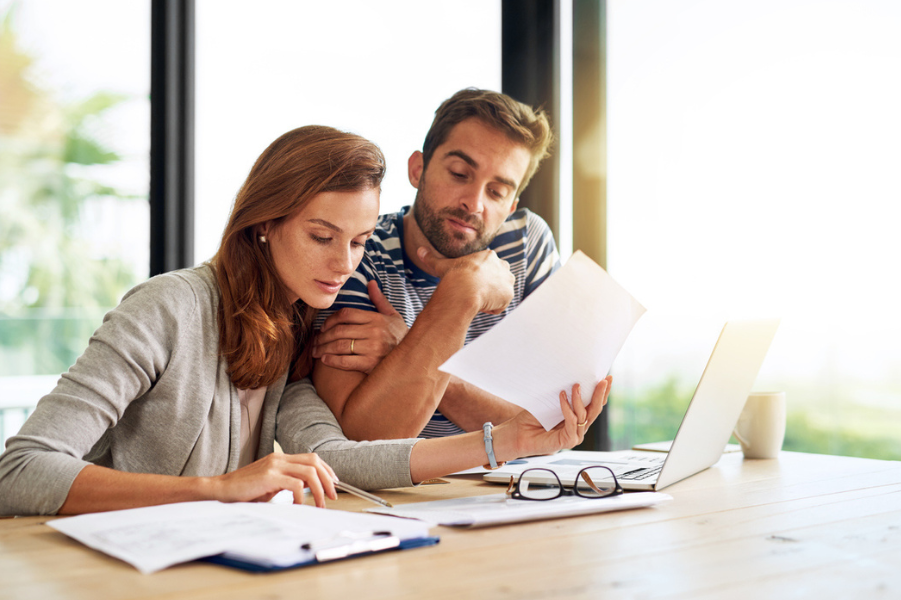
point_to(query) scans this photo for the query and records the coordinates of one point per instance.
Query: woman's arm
(305, 424)
(97, 489)
(123, 360)
(156, 328)
(522, 435)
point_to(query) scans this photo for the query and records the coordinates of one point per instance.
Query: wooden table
(802, 526)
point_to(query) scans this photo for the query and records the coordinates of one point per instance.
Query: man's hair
(519, 122)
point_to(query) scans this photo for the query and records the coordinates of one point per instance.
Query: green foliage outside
(54, 283)
(653, 414)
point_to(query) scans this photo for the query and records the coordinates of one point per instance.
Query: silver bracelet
(489, 447)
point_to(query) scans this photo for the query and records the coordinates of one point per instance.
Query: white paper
(157, 537)
(567, 331)
(496, 509)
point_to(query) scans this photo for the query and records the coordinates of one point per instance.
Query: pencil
(346, 487)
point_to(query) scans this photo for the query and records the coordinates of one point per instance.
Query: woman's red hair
(261, 333)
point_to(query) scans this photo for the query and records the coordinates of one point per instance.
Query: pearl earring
(263, 239)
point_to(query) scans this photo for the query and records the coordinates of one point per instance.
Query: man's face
(469, 187)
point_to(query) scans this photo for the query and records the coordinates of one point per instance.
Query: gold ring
(582, 424)
(352, 346)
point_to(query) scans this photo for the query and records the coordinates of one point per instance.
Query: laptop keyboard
(640, 474)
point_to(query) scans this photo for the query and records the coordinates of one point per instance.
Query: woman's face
(317, 248)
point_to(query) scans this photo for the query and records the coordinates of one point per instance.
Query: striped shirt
(524, 241)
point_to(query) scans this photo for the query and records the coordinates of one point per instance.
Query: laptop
(705, 429)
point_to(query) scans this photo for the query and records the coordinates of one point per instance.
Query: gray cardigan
(150, 394)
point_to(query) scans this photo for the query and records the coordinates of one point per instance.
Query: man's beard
(432, 224)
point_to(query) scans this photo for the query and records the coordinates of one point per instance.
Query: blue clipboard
(254, 567)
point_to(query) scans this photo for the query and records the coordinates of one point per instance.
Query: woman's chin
(321, 301)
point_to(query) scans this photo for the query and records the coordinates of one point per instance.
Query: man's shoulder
(388, 235)
(521, 227)
(390, 225)
(526, 221)
(387, 224)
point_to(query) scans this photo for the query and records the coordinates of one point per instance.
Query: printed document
(271, 535)
(567, 331)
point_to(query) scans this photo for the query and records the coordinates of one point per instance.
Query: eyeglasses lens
(596, 482)
(539, 484)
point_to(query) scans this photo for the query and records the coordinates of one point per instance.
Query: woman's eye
(320, 240)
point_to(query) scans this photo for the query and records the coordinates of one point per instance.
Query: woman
(177, 395)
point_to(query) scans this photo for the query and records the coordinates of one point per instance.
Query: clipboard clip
(350, 543)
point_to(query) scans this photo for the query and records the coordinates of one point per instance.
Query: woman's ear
(262, 232)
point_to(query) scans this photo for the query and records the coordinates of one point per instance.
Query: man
(450, 267)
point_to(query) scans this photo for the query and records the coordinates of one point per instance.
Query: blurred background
(721, 159)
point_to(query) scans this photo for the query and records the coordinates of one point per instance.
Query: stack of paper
(496, 509)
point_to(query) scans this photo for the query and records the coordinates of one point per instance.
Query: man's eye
(458, 175)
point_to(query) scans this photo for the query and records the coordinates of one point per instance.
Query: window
(74, 146)
(753, 158)
(379, 69)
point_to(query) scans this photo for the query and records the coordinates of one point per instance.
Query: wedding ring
(352, 346)
(582, 424)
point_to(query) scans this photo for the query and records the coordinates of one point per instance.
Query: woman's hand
(357, 340)
(523, 435)
(263, 479)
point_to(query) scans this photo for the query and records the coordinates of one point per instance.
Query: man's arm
(465, 405)
(398, 397)
(374, 335)
(469, 406)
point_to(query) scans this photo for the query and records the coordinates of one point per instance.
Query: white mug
(761, 427)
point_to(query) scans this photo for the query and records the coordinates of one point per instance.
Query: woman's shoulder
(182, 291)
(199, 281)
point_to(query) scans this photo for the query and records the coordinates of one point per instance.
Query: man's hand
(357, 340)
(481, 275)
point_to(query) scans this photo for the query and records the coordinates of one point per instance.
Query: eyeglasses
(543, 484)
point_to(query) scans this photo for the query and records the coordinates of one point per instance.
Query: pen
(346, 487)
